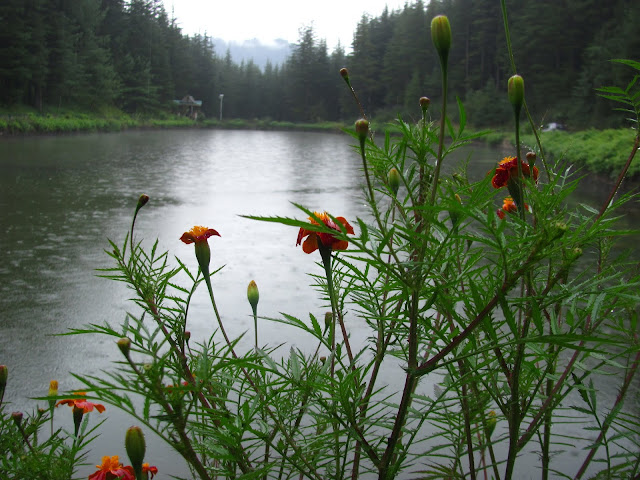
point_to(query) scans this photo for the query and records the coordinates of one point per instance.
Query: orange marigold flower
(310, 245)
(81, 404)
(146, 469)
(508, 168)
(198, 235)
(509, 206)
(112, 469)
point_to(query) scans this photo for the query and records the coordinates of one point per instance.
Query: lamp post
(221, 97)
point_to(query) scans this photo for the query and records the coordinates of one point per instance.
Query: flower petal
(310, 245)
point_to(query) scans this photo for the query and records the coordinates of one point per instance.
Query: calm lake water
(62, 197)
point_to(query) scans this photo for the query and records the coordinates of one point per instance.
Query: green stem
(436, 173)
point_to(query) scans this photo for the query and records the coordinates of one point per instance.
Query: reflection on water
(62, 197)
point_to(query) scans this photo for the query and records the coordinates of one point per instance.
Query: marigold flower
(112, 469)
(508, 169)
(509, 206)
(81, 404)
(198, 235)
(146, 470)
(311, 244)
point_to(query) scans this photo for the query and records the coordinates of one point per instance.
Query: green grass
(600, 151)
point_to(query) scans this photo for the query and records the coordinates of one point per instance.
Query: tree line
(132, 55)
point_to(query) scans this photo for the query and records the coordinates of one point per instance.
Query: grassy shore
(21, 122)
(599, 151)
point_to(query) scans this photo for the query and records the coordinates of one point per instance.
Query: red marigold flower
(146, 469)
(509, 206)
(310, 245)
(112, 469)
(198, 235)
(81, 404)
(508, 168)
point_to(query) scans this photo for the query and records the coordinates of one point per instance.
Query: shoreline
(601, 152)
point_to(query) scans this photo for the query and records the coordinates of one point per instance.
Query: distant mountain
(277, 52)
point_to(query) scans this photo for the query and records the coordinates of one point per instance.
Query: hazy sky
(266, 20)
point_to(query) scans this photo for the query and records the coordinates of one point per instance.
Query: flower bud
(515, 91)
(187, 335)
(4, 375)
(328, 319)
(491, 423)
(135, 445)
(531, 159)
(362, 128)
(441, 37)
(344, 73)
(253, 296)
(323, 360)
(17, 418)
(424, 103)
(394, 180)
(142, 201)
(53, 392)
(124, 344)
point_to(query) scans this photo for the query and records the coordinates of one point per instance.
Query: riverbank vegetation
(132, 56)
(495, 306)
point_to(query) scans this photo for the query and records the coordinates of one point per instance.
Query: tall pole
(221, 97)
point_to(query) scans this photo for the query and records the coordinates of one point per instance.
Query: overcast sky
(267, 20)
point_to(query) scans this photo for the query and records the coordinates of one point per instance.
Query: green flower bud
(441, 37)
(135, 445)
(253, 296)
(53, 392)
(328, 319)
(344, 73)
(362, 129)
(17, 418)
(124, 344)
(515, 90)
(394, 180)
(142, 201)
(491, 423)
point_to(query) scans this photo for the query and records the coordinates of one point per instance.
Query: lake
(62, 197)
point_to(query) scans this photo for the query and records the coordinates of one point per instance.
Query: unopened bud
(458, 199)
(515, 91)
(124, 344)
(424, 103)
(362, 129)
(394, 180)
(323, 360)
(576, 252)
(17, 418)
(441, 37)
(344, 73)
(187, 335)
(147, 367)
(53, 388)
(531, 159)
(135, 445)
(41, 411)
(142, 201)
(253, 296)
(491, 423)
(328, 319)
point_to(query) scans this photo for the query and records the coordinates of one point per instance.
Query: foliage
(132, 55)
(512, 315)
